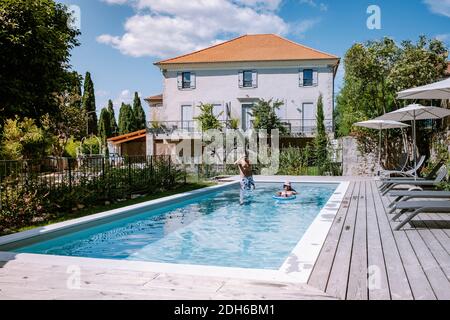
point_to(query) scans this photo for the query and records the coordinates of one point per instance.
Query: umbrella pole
(415, 144)
(379, 153)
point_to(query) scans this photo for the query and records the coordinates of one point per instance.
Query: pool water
(212, 229)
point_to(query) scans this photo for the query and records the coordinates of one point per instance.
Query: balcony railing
(294, 127)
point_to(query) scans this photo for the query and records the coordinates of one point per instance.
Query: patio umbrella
(413, 113)
(380, 125)
(434, 91)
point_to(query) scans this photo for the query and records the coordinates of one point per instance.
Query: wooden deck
(364, 258)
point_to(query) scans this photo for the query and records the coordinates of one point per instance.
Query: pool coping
(296, 268)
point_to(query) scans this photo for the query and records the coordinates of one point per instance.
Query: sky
(121, 39)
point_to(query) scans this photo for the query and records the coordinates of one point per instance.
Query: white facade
(222, 85)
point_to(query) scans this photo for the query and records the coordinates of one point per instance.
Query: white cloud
(115, 1)
(312, 3)
(301, 27)
(441, 7)
(164, 28)
(443, 37)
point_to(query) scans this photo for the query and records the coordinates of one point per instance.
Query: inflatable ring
(285, 198)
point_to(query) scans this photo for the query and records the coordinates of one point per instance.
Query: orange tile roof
(129, 136)
(260, 47)
(158, 97)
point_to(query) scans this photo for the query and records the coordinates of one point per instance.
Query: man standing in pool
(245, 170)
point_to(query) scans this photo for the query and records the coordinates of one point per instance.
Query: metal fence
(102, 177)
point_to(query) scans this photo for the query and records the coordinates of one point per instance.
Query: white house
(234, 75)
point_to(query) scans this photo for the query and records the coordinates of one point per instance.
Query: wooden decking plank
(434, 228)
(338, 280)
(378, 279)
(437, 250)
(397, 278)
(357, 281)
(431, 268)
(322, 268)
(420, 286)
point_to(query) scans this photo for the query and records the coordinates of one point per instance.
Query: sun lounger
(413, 208)
(401, 164)
(402, 196)
(442, 173)
(404, 173)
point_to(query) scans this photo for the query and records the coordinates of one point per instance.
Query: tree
(23, 139)
(207, 119)
(377, 70)
(321, 139)
(139, 114)
(70, 120)
(88, 104)
(112, 118)
(35, 44)
(104, 125)
(126, 119)
(265, 115)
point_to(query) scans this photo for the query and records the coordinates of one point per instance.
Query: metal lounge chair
(442, 173)
(400, 166)
(402, 196)
(413, 208)
(405, 173)
(430, 176)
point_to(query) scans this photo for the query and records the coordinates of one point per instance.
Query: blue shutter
(254, 79)
(180, 80)
(193, 80)
(315, 77)
(300, 77)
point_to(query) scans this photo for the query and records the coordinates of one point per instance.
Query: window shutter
(300, 77)
(315, 77)
(241, 79)
(193, 79)
(180, 80)
(255, 79)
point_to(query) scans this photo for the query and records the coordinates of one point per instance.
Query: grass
(97, 209)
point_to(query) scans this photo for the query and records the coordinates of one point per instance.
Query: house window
(308, 77)
(186, 78)
(248, 79)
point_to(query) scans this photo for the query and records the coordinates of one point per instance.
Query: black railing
(294, 127)
(57, 185)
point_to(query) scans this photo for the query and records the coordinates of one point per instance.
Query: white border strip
(296, 268)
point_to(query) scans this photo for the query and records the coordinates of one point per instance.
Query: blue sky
(121, 39)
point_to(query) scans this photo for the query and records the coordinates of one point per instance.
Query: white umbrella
(434, 91)
(380, 125)
(413, 113)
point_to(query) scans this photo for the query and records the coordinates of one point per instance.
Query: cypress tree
(126, 119)
(139, 114)
(321, 139)
(88, 104)
(104, 125)
(112, 117)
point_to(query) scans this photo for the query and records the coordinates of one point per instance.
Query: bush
(29, 198)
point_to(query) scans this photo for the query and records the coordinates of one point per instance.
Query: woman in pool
(287, 191)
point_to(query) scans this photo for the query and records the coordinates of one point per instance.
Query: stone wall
(355, 163)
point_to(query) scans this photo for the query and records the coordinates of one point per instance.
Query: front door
(308, 117)
(186, 117)
(247, 117)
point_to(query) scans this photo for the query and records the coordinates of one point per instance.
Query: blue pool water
(208, 230)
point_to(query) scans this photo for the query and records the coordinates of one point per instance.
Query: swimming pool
(210, 229)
